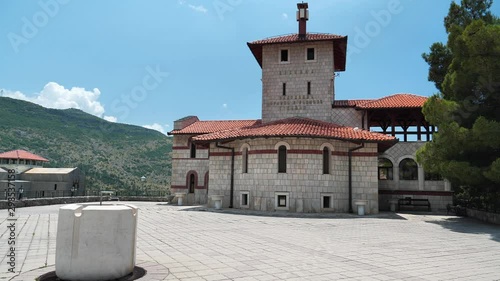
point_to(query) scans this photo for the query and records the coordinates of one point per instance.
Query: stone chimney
(302, 17)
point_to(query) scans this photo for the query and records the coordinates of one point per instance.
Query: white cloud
(157, 127)
(224, 105)
(199, 8)
(110, 119)
(284, 16)
(56, 96)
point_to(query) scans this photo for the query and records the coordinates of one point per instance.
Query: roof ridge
(294, 33)
(297, 127)
(235, 120)
(389, 97)
(18, 155)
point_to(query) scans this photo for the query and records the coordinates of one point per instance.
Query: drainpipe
(232, 171)
(349, 154)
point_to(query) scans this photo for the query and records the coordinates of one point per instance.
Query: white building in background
(37, 181)
(309, 152)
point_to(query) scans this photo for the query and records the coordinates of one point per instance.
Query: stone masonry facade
(347, 117)
(295, 74)
(304, 182)
(183, 166)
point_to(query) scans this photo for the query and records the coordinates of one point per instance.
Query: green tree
(466, 71)
(459, 16)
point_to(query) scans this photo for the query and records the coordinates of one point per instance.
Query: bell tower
(298, 71)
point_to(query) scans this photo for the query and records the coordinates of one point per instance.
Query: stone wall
(77, 199)
(183, 166)
(304, 182)
(347, 117)
(49, 201)
(296, 73)
(484, 216)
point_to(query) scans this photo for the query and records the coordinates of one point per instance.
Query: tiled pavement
(232, 245)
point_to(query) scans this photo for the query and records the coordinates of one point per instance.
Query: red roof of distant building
(22, 154)
(395, 101)
(297, 127)
(339, 47)
(205, 127)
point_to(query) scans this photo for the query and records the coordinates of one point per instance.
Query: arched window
(192, 153)
(192, 183)
(326, 160)
(244, 161)
(408, 169)
(282, 159)
(384, 169)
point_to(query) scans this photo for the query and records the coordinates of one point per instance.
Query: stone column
(421, 177)
(395, 176)
(447, 185)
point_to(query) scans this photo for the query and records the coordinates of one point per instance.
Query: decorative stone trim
(276, 146)
(198, 147)
(355, 154)
(190, 158)
(305, 151)
(242, 195)
(278, 196)
(185, 187)
(330, 195)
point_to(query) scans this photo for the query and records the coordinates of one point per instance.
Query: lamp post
(143, 179)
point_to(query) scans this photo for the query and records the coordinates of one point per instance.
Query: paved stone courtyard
(187, 243)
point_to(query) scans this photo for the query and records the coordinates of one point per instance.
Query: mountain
(113, 156)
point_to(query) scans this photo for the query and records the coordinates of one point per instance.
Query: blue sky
(152, 62)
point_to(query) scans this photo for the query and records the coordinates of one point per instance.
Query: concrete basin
(96, 242)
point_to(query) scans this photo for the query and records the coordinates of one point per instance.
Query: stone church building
(309, 152)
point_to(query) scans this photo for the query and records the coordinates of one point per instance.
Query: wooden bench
(405, 202)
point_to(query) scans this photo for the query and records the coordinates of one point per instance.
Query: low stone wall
(143, 198)
(484, 216)
(77, 199)
(49, 201)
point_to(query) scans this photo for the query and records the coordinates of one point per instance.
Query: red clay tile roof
(22, 154)
(206, 127)
(294, 37)
(297, 127)
(349, 103)
(339, 45)
(395, 101)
